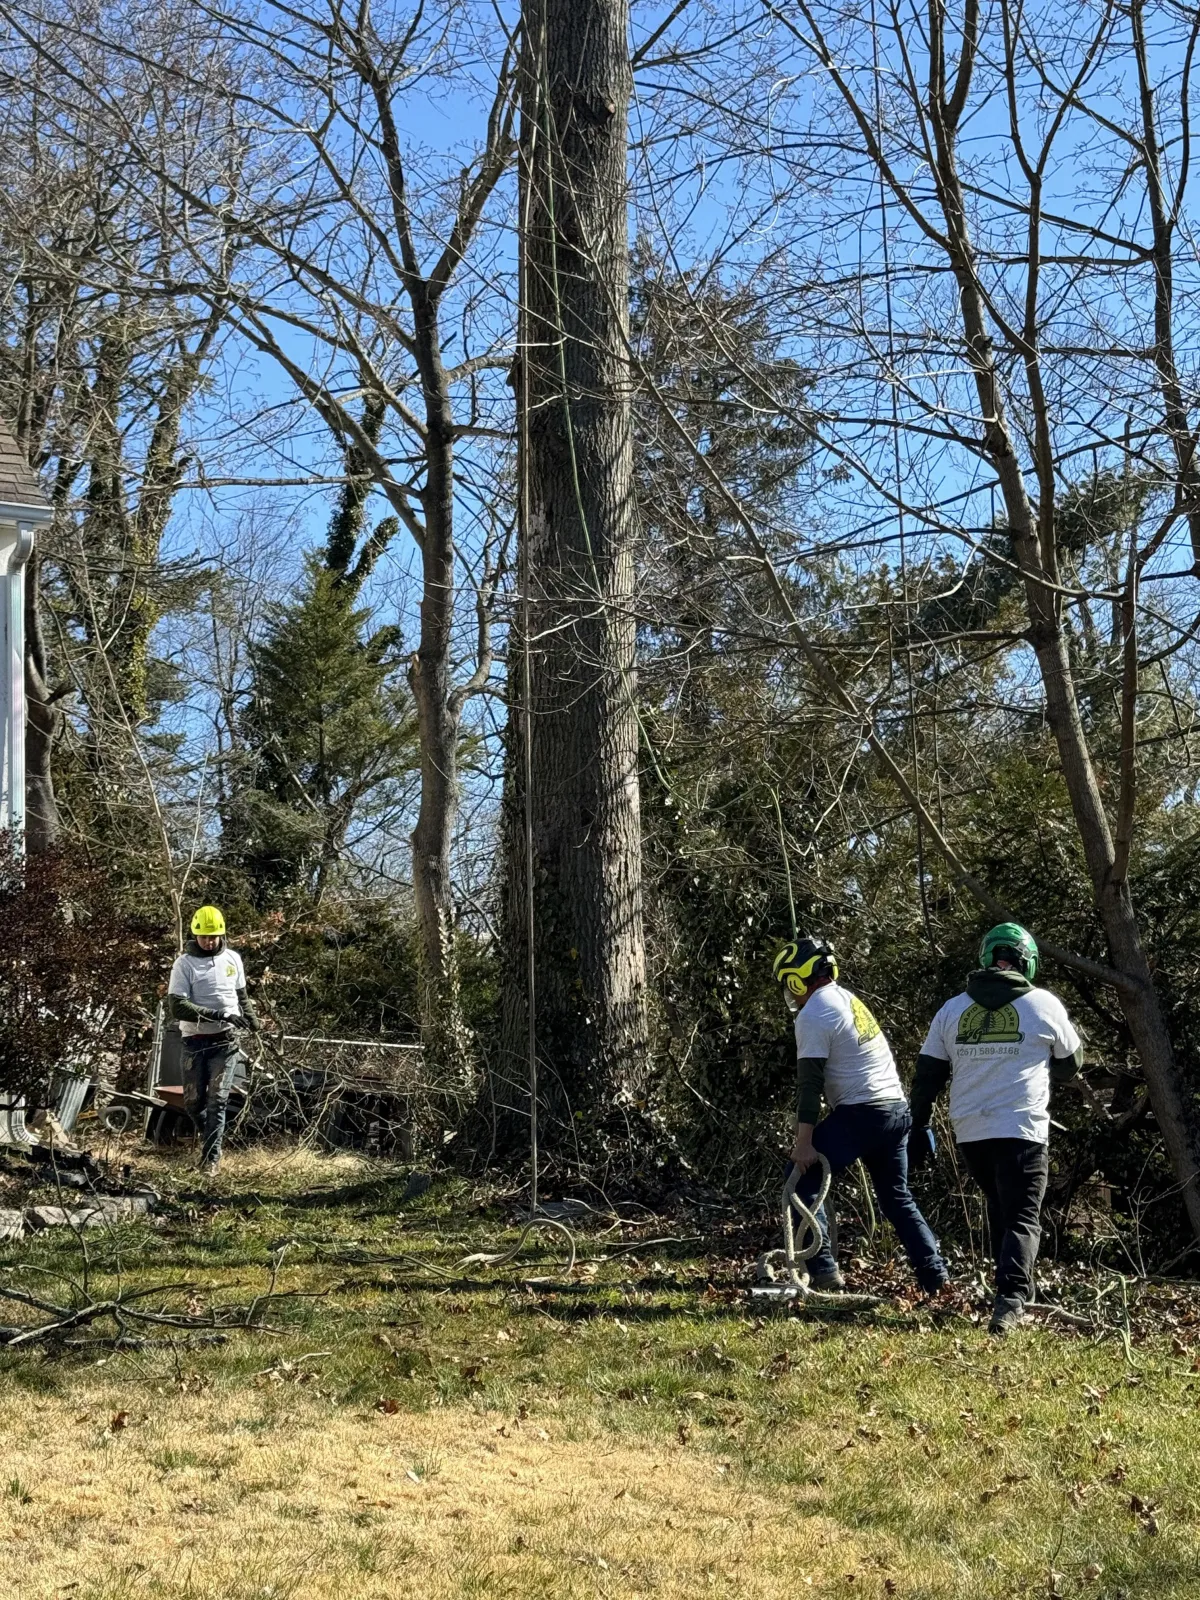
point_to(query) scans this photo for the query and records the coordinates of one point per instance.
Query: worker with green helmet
(845, 1059)
(1000, 1045)
(207, 997)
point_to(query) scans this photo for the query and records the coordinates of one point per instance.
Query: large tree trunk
(1033, 537)
(577, 533)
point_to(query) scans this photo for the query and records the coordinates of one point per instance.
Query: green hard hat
(1015, 943)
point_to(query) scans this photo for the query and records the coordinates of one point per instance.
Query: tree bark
(577, 534)
(439, 711)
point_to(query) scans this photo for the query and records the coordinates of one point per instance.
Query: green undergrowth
(1048, 1464)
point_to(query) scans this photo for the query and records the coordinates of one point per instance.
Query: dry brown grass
(671, 1441)
(277, 1494)
(283, 1168)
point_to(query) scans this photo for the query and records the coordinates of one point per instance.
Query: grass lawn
(402, 1430)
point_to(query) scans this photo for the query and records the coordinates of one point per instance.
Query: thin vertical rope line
(524, 344)
(787, 866)
(896, 469)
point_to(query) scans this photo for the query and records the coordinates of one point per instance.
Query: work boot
(830, 1282)
(1006, 1313)
(210, 1166)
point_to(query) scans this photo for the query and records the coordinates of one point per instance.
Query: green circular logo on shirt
(978, 1025)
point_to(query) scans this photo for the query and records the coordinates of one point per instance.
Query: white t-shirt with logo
(1000, 1088)
(859, 1066)
(209, 980)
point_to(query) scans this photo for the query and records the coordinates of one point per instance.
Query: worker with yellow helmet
(844, 1059)
(207, 997)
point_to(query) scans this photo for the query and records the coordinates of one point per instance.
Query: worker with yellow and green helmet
(207, 998)
(844, 1059)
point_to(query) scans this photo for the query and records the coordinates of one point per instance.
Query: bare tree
(354, 288)
(358, 249)
(982, 335)
(100, 367)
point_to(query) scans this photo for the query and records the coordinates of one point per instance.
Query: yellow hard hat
(208, 923)
(802, 960)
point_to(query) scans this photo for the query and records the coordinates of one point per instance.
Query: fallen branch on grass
(66, 1317)
(127, 1308)
(1039, 1308)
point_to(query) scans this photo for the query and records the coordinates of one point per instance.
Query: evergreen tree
(331, 734)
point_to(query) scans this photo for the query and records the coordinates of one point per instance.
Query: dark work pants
(876, 1135)
(1012, 1174)
(208, 1068)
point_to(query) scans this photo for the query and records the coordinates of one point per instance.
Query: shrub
(73, 967)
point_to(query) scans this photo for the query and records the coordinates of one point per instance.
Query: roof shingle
(18, 482)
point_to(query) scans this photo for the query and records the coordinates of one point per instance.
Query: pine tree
(331, 734)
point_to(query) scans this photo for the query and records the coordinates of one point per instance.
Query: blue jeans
(876, 1135)
(208, 1069)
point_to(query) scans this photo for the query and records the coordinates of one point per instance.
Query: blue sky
(798, 203)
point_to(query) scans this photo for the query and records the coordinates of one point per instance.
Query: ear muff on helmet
(208, 923)
(802, 962)
(1009, 941)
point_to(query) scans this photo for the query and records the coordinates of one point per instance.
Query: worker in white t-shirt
(207, 997)
(1000, 1045)
(844, 1057)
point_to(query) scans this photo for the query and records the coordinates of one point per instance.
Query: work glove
(235, 1019)
(922, 1145)
(250, 1021)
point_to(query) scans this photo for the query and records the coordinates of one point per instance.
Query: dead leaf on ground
(1144, 1511)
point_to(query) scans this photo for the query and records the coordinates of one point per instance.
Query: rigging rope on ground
(795, 1285)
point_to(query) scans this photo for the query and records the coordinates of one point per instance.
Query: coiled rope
(796, 1258)
(797, 1255)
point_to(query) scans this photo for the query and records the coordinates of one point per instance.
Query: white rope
(797, 1258)
(501, 1258)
